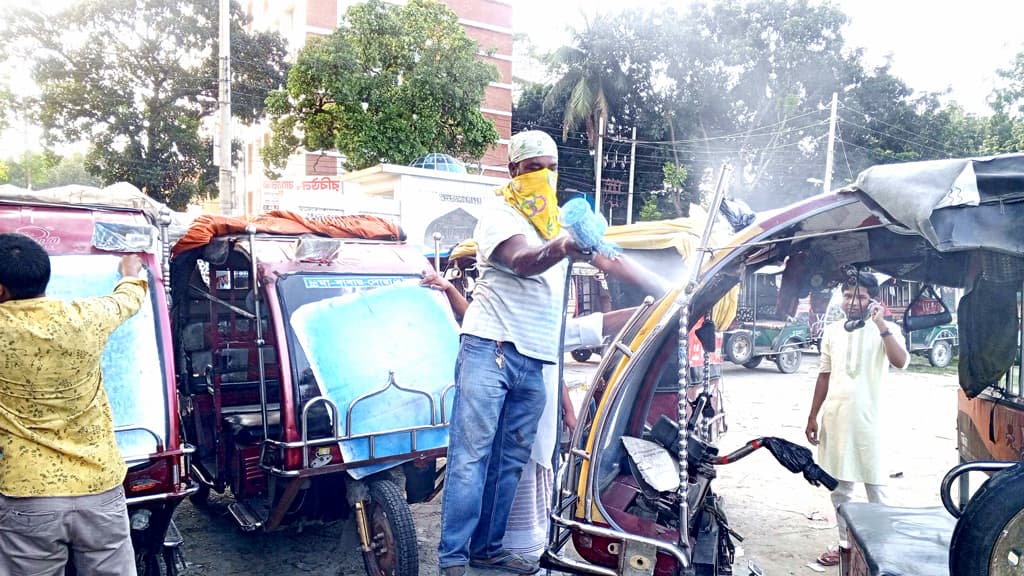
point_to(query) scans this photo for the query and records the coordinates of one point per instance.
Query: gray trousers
(38, 536)
(844, 493)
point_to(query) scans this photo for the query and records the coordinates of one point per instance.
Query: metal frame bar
(305, 443)
(946, 490)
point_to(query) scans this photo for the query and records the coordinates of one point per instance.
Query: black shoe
(508, 562)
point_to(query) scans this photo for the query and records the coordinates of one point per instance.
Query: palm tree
(591, 73)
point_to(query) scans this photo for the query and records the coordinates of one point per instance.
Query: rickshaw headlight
(140, 519)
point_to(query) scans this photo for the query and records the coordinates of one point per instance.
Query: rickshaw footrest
(248, 520)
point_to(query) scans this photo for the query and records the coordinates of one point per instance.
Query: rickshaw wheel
(940, 354)
(987, 538)
(789, 362)
(582, 355)
(740, 348)
(753, 363)
(393, 548)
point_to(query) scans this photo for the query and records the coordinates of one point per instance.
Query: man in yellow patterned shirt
(60, 468)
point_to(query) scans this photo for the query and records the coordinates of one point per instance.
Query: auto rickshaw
(316, 375)
(634, 496)
(952, 223)
(760, 331)
(86, 230)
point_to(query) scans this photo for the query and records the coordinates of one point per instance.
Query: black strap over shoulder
(913, 321)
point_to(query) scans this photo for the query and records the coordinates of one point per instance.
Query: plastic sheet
(114, 237)
(354, 341)
(132, 367)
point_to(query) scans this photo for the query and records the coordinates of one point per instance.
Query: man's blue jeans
(494, 422)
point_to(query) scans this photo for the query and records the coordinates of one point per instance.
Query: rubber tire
(754, 362)
(786, 368)
(747, 348)
(387, 499)
(940, 354)
(995, 503)
(582, 355)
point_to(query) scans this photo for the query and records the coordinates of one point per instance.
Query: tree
(1006, 126)
(390, 84)
(46, 170)
(137, 80)
(591, 73)
(607, 75)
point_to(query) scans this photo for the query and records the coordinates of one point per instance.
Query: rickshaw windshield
(297, 290)
(133, 371)
(352, 334)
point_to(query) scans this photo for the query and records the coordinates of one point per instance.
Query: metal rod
(197, 291)
(683, 352)
(254, 287)
(305, 424)
(165, 251)
(437, 252)
(947, 482)
(681, 556)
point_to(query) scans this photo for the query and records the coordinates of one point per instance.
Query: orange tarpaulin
(208, 226)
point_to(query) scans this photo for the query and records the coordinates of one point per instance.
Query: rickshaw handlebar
(793, 457)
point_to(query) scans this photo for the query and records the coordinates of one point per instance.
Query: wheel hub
(1008, 553)
(381, 540)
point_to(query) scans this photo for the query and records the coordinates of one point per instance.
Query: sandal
(829, 558)
(506, 561)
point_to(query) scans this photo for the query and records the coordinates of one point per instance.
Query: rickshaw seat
(900, 541)
(247, 427)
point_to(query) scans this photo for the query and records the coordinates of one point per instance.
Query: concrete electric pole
(227, 200)
(829, 158)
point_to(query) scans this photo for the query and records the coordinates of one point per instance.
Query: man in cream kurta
(849, 396)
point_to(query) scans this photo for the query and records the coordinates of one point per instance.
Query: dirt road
(785, 521)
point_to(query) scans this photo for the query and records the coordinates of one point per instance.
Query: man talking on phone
(855, 358)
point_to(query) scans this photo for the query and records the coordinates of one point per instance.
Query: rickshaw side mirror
(706, 335)
(920, 321)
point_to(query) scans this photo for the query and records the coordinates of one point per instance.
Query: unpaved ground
(785, 521)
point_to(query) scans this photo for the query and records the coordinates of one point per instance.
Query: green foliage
(749, 82)
(137, 80)
(44, 170)
(649, 209)
(679, 192)
(1006, 126)
(390, 84)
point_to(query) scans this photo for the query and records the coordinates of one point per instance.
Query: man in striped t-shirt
(510, 331)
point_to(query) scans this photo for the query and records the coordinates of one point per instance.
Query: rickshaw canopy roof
(118, 196)
(206, 228)
(955, 204)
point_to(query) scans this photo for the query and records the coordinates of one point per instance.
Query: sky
(933, 45)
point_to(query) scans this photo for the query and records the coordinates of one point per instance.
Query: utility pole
(829, 158)
(25, 158)
(598, 164)
(632, 173)
(227, 200)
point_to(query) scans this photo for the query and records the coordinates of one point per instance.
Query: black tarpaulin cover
(956, 204)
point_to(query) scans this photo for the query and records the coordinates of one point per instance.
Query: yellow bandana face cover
(533, 195)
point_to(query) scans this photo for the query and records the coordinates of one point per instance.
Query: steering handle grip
(815, 475)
